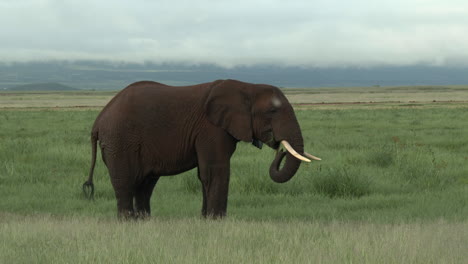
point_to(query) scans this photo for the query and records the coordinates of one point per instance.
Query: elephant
(150, 129)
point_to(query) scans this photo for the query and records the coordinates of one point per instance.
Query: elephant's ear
(229, 106)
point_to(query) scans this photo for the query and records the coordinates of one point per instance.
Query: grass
(392, 188)
(191, 240)
(417, 166)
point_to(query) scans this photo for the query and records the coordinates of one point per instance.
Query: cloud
(230, 33)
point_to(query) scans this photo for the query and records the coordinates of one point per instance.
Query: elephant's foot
(125, 215)
(142, 215)
(214, 214)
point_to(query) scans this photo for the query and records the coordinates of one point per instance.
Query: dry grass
(43, 239)
(371, 96)
(367, 96)
(54, 99)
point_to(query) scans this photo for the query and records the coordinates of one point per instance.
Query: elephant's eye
(272, 110)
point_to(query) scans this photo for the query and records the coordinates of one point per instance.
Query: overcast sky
(240, 32)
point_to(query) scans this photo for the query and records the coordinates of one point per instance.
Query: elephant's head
(259, 113)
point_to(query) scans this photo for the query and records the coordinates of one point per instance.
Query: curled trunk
(290, 167)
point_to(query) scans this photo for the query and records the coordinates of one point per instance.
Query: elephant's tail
(88, 186)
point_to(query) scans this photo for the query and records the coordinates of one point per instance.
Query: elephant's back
(156, 98)
(157, 93)
(152, 109)
(142, 96)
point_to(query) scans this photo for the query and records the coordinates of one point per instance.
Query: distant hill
(42, 87)
(101, 75)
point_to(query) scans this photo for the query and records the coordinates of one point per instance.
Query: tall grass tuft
(382, 156)
(342, 182)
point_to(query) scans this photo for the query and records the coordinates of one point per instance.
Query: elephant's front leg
(203, 211)
(215, 180)
(214, 153)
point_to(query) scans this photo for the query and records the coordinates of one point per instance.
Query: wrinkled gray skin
(150, 130)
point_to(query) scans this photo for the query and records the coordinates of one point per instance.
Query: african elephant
(150, 130)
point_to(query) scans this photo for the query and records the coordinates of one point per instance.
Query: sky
(318, 33)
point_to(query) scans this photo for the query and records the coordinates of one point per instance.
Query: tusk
(293, 152)
(311, 156)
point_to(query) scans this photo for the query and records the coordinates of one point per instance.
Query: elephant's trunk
(290, 168)
(287, 132)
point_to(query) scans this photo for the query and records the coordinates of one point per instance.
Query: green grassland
(392, 188)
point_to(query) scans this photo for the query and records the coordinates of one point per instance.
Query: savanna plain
(392, 186)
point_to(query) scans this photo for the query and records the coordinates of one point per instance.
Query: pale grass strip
(87, 240)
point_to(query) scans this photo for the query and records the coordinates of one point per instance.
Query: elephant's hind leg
(143, 193)
(122, 174)
(124, 196)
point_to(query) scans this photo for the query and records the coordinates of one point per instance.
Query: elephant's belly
(146, 157)
(165, 163)
(169, 168)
